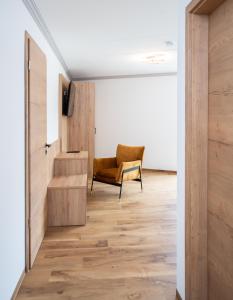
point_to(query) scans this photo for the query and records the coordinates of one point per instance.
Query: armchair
(127, 165)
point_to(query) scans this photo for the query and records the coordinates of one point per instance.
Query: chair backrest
(129, 153)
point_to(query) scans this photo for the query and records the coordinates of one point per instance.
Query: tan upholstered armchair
(127, 165)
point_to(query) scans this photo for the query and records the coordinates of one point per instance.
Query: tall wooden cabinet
(62, 120)
(81, 126)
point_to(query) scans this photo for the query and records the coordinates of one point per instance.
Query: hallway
(126, 251)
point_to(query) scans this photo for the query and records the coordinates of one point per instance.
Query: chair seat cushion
(105, 179)
(108, 173)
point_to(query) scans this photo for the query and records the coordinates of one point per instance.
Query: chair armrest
(130, 169)
(104, 163)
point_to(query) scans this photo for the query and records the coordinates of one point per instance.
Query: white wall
(138, 111)
(14, 20)
(181, 153)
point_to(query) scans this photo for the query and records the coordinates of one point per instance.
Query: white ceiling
(109, 37)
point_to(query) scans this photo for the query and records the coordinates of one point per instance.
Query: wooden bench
(67, 191)
(67, 200)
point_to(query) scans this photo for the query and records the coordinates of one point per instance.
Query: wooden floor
(126, 251)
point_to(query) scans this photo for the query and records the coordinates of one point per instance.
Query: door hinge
(29, 223)
(29, 65)
(95, 130)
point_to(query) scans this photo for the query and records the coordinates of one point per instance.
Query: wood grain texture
(37, 210)
(220, 78)
(126, 250)
(67, 206)
(66, 164)
(196, 157)
(62, 120)
(70, 167)
(68, 182)
(91, 126)
(26, 117)
(52, 153)
(70, 156)
(67, 190)
(37, 138)
(36, 174)
(220, 154)
(203, 7)
(220, 147)
(81, 128)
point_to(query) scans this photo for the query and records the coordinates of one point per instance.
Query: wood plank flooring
(126, 251)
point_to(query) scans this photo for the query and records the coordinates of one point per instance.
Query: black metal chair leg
(122, 177)
(140, 171)
(92, 184)
(120, 191)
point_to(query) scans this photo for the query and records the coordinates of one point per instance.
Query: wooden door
(209, 150)
(36, 152)
(81, 126)
(220, 154)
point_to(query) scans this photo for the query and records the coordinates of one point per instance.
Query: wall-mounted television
(68, 100)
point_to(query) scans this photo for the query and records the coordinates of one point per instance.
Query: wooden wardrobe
(81, 125)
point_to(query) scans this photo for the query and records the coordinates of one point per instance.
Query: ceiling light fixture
(157, 58)
(160, 57)
(169, 43)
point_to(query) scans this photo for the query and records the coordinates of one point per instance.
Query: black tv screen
(65, 101)
(68, 100)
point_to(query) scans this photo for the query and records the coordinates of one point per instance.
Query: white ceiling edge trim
(36, 15)
(126, 76)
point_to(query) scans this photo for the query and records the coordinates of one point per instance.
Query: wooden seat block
(69, 182)
(67, 199)
(66, 164)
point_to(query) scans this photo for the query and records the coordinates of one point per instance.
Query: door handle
(46, 147)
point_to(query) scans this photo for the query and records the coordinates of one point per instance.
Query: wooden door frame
(196, 147)
(26, 105)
